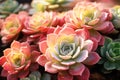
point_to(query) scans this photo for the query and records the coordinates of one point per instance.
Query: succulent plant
(43, 5)
(110, 54)
(67, 50)
(116, 16)
(89, 15)
(38, 22)
(10, 6)
(12, 26)
(17, 60)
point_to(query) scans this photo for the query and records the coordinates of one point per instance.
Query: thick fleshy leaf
(67, 31)
(109, 65)
(95, 43)
(60, 66)
(8, 67)
(93, 22)
(82, 56)
(2, 60)
(43, 46)
(65, 38)
(106, 27)
(56, 56)
(65, 57)
(7, 51)
(77, 69)
(15, 44)
(49, 68)
(92, 59)
(48, 55)
(22, 16)
(85, 75)
(95, 35)
(77, 53)
(68, 62)
(57, 30)
(42, 60)
(83, 33)
(88, 45)
(50, 30)
(26, 51)
(51, 40)
(102, 40)
(64, 76)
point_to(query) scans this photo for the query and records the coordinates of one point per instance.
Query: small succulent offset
(10, 6)
(35, 75)
(110, 54)
(42, 5)
(116, 16)
(66, 51)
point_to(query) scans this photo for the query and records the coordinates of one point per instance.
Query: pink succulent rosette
(39, 22)
(91, 16)
(66, 52)
(12, 26)
(18, 60)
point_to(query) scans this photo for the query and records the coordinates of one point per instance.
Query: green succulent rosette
(116, 16)
(42, 5)
(33, 76)
(10, 6)
(110, 54)
(36, 75)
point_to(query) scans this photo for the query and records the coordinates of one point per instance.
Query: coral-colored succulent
(66, 51)
(89, 15)
(38, 22)
(17, 60)
(12, 26)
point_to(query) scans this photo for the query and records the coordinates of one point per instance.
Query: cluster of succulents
(59, 44)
